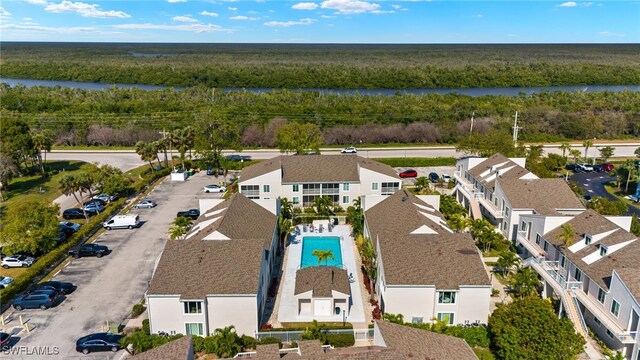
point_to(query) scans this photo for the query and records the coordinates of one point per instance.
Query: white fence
(294, 335)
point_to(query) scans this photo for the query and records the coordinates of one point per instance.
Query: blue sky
(328, 21)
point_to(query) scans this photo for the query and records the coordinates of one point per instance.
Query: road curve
(128, 159)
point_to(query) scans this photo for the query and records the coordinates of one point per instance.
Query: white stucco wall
(273, 179)
(368, 177)
(378, 340)
(410, 302)
(240, 311)
(473, 304)
(208, 204)
(166, 313)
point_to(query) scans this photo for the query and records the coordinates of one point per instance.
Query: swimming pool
(310, 243)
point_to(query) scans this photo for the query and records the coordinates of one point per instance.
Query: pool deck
(288, 307)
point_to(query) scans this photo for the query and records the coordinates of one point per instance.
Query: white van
(122, 222)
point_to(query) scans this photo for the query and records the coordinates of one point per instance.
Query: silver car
(5, 281)
(17, 261)
(145, 204)
(214, 188)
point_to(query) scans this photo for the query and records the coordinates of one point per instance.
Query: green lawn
(614, 191)
(483, 354)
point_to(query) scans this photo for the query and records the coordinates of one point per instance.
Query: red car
(607, 167)
(409, 173)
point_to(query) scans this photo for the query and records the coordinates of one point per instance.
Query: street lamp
(344, 316)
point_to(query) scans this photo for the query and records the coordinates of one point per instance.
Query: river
(512, 91)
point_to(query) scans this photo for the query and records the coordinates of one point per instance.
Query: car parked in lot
(122, 222)
(105, 197)
(585, 167)
(572, 167)
(608, 167)
(95, 201)
(68, 227)
(433, 177)
(349, 150)
(191, 213)
(446, 178)
(214, 189)
(17, 261)
(89, 250)
(76, 213)
(93, 207)
(62, 288)
(5, 281)
(41, 299)
(409, 173)
(99, 342)
(598, 168)
(145, 204)
(5, 339)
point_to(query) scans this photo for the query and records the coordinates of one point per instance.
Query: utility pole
(164, 141)
(515, 130)
(471, 129)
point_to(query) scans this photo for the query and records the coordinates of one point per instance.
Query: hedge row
(418, 162)
(57, 255)
(325, 327)
(341, 340)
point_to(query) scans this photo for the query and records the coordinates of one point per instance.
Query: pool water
(310, 243)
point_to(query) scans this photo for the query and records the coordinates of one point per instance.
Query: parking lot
(108, 287)
(424, 171)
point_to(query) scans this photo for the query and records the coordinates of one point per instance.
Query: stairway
(573, 312)
(475, 209)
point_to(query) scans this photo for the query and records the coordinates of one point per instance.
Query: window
(546, 246)
(193, 307)
(507, 211)
(446, 317)
(446, 297)
(587, 239)
(296, 187)
(416, 320)
(610, 333)
(345, 199)
(266, 188)
(538, 239)
(296, 200)
(597, 321)
(345, 187)
(603, 250)
(577, 275)
(374, 186)
(563, 261)
(194, 329)
(601, 295)
(524, 226)
(388, 188)
(615, 308)
(250, 191)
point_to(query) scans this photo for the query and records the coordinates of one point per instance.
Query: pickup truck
(191, 213)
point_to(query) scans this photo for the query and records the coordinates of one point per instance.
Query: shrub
(418, 162)
(474, 335)
(198, 344)
(271, 340)
(137, 310)
(341, 340)
(376, 313)
(146, 328)
(248, 342)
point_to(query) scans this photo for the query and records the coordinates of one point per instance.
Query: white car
(349, 150)
(5, 281)
(104, 197)
(145, 204)
(93, 207)
(17, 261)
(446, 178)
(214, 188)
(585, 167)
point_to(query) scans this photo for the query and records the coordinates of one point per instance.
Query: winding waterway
(512, 91)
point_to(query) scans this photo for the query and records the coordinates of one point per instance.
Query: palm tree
(41, 143)
(587, 144)
(177, 232)
(146, 152)
(507, 261)
(525, 282)
(69, 186)
(226, 342)
(479, 227)
(617, 356)
(534, 153)
(323, 255)
(457, 223)
(314, 332)
(575, 154)
(567, 235)
(631, 167)
(565, 146)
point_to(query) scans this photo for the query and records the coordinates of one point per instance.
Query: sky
(328, 21)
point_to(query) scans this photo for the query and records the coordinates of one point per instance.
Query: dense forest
(325, 66)
(124, 116)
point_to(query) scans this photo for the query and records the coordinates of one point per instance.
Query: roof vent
(404, 198)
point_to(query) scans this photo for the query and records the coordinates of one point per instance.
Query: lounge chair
(351, 278)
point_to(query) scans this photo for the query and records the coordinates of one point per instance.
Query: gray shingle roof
(515, 171)
(600, 271)
(316, 168)
(631, 277)
(179, 349)
(543, 195)
(446, 260)
(194, 268)
(321, 280)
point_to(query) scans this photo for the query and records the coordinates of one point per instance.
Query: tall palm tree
(146, 152)
(575, 154)
(41, 143)
(507, 261)
(525, 282)
(565, 146)
(177, 232)
(323, 255)
(69, 186)
(457, 222)
(567, 235)
(587, 144)
(631, 167)
(226, 342)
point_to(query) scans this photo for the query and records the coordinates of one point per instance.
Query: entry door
(322, 307)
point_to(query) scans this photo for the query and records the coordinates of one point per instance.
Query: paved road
(108, 287)
(593, 183)
(127, 159)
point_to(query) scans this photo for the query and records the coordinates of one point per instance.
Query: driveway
(593, 184)
(109, 287)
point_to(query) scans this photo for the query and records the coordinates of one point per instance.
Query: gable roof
(422, 344)
(443, 259)
(322, 280)
(179, 349)
(495, 166)
(599, 269)
(317, 168)
(545, 195)
(631, 277)
(196, 267)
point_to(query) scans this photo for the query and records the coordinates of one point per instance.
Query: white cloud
(305, 6)
(83, 9)
(383, 12)
(27, 19)
(38, 2)
(350, 6)
(208, 13)
(306, 21)
(185, 18)
(568, 4)
(48, 29)
(4, 14)
(242, 17)
(232, 8)
(198, 28)
(176, 1)
(608, 33)
(328, 16)
(477, 16)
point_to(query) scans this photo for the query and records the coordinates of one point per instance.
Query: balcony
(497, 214)
(623, 335)
(531, 248)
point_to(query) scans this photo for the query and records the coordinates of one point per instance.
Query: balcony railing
(250, 192)
(311, 191)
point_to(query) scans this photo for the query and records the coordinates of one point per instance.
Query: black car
(76, 213)
(99, 342)
(191, 213)
(43, 299)
(433, 177)
(573, 167)
(4, 340)
(62, 288)
(598, 168)
(89, 250)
